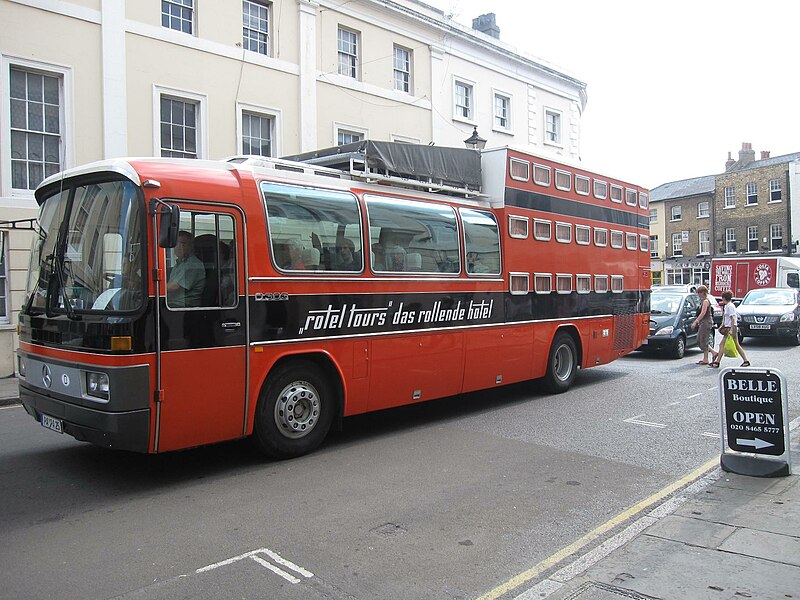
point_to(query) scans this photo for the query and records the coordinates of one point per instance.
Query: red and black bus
(174, 303)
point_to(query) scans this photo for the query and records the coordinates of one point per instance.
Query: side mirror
(170, 221)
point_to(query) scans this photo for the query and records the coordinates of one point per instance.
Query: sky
(673, 86)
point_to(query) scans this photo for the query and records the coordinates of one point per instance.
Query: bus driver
(188, 276)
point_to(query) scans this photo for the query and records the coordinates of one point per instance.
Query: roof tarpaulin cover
(454, 165)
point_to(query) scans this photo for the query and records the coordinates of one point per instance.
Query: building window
(257, 134)
(502, 112)
(702, 210)
(178, 15)
(653, 246)
(775, 237)
(752, 194)
(463, 100)
(676, 213)
(752, 238)
(255, 28)
(677, 244)
(348, 53)
(730, 240)
(774, 190)
(402, 69)
(704, 241)
(653, 215)
(3, 278)
(344, 136)
(730, 197)
(179, 127)
(552, 127)
(36, 127)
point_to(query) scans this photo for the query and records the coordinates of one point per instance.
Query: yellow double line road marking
(575, 546)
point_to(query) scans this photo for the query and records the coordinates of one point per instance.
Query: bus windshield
(89, 252)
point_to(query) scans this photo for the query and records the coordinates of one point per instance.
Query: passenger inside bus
(345, 258)
(187, 277)
(294, 260)
(388, 254)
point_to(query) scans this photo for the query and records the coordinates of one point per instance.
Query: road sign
(755, 437)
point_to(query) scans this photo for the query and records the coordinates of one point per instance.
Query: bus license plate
(52, 423)
(764, 326)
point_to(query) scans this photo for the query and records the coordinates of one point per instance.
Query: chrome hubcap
(297, 409)
(563, 363)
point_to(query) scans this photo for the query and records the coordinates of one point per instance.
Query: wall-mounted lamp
(475, 141)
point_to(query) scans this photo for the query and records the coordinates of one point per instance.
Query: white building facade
(84, 80)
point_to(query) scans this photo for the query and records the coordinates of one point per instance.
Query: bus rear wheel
(294, 411)
(562, 364)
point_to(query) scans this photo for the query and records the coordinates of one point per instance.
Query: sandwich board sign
(755, 418)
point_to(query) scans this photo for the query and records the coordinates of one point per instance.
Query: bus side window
(412, 235)
(481, 242)
(316, 231)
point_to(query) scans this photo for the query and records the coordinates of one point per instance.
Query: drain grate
(594, 590)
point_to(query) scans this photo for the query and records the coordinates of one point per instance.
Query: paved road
(442, 500)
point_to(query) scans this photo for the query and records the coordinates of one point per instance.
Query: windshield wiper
(58, 277)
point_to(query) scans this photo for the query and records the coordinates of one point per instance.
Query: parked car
(715, 306)
(671, 316)
(675, 287)
(771, 312)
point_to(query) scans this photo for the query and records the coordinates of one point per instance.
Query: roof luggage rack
(454, 171)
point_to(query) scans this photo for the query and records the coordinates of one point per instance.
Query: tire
(562, 364)
(294, 411)
(679, 349)
(795, 339)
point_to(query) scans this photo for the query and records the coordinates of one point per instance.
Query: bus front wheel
(562, 364)
(294, 411)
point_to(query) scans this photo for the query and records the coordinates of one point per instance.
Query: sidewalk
(735, 537)
(9, 391)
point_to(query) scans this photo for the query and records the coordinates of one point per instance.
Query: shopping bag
(730, 347)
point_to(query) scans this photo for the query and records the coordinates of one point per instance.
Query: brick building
(746, 210)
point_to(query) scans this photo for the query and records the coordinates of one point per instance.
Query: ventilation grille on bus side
(624, 325)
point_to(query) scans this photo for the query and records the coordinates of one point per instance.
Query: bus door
(202, 338)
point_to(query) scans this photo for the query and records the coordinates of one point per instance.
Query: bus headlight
(97, 384)
(21, 366)
(787, 317)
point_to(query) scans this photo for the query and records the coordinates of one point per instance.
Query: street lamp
(475, 141)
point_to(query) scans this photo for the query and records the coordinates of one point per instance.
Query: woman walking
(705, 321)
(730, 319)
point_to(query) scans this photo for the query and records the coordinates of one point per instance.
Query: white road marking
(709, 434)
(694, 396)
(12, 406)
(635, 421)
(276, 570)
(264, 563)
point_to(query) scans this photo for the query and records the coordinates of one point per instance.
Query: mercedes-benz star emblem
(47, 378)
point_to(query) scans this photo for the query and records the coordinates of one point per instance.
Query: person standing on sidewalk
(730, 320)
(705, 321)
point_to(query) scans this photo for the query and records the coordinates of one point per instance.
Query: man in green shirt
(188, 276)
